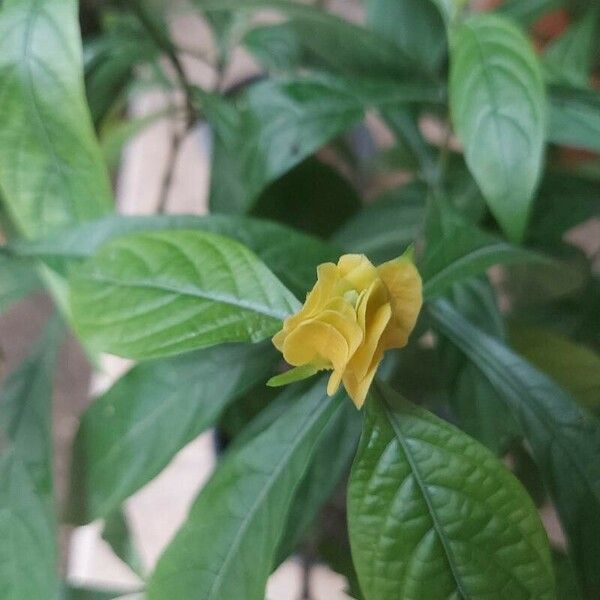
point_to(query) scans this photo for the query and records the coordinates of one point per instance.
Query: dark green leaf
(564, 439)
(571, 365)
(457, 250)
(154, 294)
(18, 278)
(51, 169)
(433, 514)
(528, 12)
(337, 44)
(415, 26)
(279, 122)
(498, 104)
(291, 255)
(28, 551)
(130, 433)
(117, 535)
(574, 117)
(227, 547)
(568, 59)
(384, 229)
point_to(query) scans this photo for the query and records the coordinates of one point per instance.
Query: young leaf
(497, 102)
(27, 518)
(227, 547)
(433, 514)
(564, 439)
(154, 294)
(51, 169)
(130, 433)
(292, 376)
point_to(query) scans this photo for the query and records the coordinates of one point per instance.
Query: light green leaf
(292, 376)
(227, 547)
(433, 514)
(18, 278)
(51, 169)
(564, 439)
(130, 433)
(497, 102)
(27, 514)
(384, 229)
(154, 294)
(574, 117)
(449, 9)
(568, 59)
(574, 366)
(291, 255)
(457, 250)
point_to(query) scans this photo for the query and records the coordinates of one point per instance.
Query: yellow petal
(405, 288)
(357, 271)
(359, 388)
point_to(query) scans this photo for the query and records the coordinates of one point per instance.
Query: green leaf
(312, 197)
(497, 102)
(154, 294)
(564, 439)
(415, 26)
(337, 44)
(27, 519)
(71, 592)
(457, 250)
(568, 59)
(227, 547)
(130, 433)
(573, 366)
(117, 535)
(330, 464)
(574, 117)
(528, 12)
(385, 228)
(449, 9)
(291, 255)
(281, 121)
(51, 169)
(18, 278)
(433, 514)
(292, 376)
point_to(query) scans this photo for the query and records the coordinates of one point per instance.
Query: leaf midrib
(192, 292)
(425, 494)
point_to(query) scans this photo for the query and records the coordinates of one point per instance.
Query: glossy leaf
(130, 433)
(51, 169)
(384, 229)
(291, 255)
(574, 366)
(574, 117)
(18, 279)
(458, 250)
(564, 439)
(27, 518)
(227, 547)
(497, 102)
(154, 294)
(433, 514)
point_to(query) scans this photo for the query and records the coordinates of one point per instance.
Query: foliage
(406, 499)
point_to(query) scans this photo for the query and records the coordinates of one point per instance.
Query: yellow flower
(353, 314)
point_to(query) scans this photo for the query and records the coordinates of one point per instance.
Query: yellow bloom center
(353, 314)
